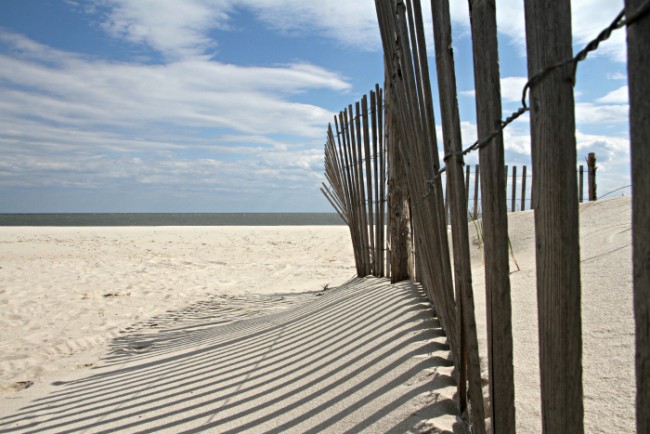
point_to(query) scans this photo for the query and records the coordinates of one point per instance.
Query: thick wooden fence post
(638, 64)
(401, 248)
(495, 218)
(591, 175)
(548, 41)
(456, 197)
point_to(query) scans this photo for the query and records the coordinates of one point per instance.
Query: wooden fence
(518, 187)
(413, 166)
(355, 167)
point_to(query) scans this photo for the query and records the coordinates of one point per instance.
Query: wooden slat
(370, 219)
(362, 189)
(494, 212)
(451, 132)
(382, 178)
(375, 170)
(548, 41)
(638, 47)
(346, 129)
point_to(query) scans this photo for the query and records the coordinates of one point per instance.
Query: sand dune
(607, 317)
(188, 329)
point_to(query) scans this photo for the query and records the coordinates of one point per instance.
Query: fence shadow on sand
(367, 356)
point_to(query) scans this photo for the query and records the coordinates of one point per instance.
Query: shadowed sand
(367, 356)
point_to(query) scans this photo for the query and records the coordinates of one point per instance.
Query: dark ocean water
(171, 219)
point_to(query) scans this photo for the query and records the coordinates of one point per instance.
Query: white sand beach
(178, 329)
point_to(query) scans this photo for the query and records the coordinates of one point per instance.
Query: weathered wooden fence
(415, 181)
(518, 186)
(355, 167)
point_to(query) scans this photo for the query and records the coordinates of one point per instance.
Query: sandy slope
(607, 317)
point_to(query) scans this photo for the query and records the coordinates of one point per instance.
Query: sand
(178, 329)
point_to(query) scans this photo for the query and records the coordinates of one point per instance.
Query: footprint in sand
(21, 385)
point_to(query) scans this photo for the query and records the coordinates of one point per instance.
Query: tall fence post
(381, 205)
(548, 41)
(495, 219)
(638, 64)
(451, 133)
(591, 175)
(399, 230)
(369, 198)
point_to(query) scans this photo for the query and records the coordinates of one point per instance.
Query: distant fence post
(514, 188)
(548, 41)
(359, 140)
(638, 47)
(581, 177)
(476, 184)
(591, 178)
(523, 189)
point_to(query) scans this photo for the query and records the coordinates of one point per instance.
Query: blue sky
(223, 105)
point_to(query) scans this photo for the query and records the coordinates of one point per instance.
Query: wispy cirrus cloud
(194, 92)
(79, 122)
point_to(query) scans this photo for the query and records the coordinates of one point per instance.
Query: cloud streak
(76, 122)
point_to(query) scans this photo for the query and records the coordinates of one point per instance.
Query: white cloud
(618, 96)
(180, 29)
(74, 122)
(176, 29)
(589, 113)
(352, 23)
(512, 88)
(195, 92)
(618, 146)
(617, 76)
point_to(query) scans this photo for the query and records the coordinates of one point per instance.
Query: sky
(223, 105)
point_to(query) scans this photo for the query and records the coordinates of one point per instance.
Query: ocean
(172, 219)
